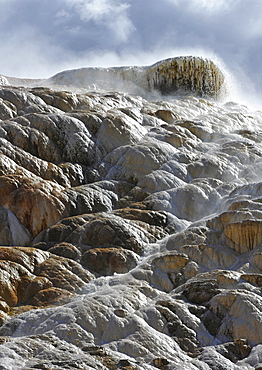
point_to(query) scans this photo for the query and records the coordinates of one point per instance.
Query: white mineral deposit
(131, 220)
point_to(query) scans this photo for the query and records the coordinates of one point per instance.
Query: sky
(41, 38)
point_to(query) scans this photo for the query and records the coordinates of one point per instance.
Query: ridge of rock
(130, 233)
(184, 75)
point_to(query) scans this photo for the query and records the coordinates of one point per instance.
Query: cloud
(104, 13)
(40, 38)
(212, 6)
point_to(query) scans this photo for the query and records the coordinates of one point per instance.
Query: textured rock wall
(130, 232)
(186, 75)
(175, 76)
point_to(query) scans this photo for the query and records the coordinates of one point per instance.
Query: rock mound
(130, 233)
(174, 76)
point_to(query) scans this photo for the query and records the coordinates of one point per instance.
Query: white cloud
(110, 13)
(98, 10)
(211, 6)
(44, 37)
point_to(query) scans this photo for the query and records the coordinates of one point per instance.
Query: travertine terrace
(130, 226)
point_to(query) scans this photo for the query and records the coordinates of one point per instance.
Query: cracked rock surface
(130, 232)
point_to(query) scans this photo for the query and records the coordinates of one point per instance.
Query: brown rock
(99, 230)
(234, 351)
(245, 235)
(107, 261)
(4, 306)
(257, 260)
(255, 279)
(35, 202)
(24, 256)
(148, 216)
(210, 256)
(211, 322)
(7, 109)
(26, 272)
(185, 75)
(166, 115)
(66, 250)
(17, 279)
(34, 287)
(161, 363)
(63, 100)
(23, 100)
(3, 317)
(49, 296)
(63, 273)
(201, 291)
(14, 160)
(14, 280)
(171, 262)
(22, 136)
